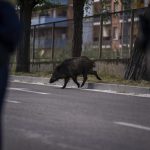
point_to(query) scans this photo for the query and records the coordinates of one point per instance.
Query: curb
(99, 86)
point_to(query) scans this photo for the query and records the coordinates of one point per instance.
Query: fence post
(33, 51)
(100, 36)
(131, 32)
(53, 43)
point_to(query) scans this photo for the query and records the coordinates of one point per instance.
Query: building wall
(88, 25)
(116, 25)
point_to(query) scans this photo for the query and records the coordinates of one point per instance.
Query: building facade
(116, 27)
(56, 28)
(50, 29)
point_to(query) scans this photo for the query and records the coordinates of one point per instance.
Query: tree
(23, 51)
(138, 67)
(78, 12)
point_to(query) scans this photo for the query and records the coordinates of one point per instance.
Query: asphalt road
(41, 117)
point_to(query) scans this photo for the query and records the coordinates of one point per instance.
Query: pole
(100, 37)
(53, 43)
(131, 32)
(33, 51)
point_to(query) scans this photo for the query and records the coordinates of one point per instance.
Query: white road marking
(118, 93)
(29, 91)
(15, 102)
(94, 90)
(133, 125)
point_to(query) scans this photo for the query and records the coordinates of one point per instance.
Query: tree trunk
(23, 51)
(78, 9)
(138, 66)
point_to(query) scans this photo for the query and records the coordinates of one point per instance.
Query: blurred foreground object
(9, 37)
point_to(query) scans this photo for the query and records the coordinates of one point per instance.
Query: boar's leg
(84, 80)
(74, 78)
(65, 82)
(95, 73)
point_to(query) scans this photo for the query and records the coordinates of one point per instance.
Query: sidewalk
(97, 86)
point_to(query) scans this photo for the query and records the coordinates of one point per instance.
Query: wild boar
(72, 68)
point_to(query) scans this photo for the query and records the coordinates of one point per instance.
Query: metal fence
(105, 36)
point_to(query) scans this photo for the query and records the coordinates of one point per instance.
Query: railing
(105, 36)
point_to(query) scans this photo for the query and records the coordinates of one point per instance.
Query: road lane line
(133, 125)
(118, 93)
(15, 102)
(93, 90)
(29, 91)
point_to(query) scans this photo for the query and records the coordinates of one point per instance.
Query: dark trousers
(3, 85)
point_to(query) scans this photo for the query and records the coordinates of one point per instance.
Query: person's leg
(3, 85)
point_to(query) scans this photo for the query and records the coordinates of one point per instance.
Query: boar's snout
(51, 80)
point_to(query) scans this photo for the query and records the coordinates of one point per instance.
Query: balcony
(46, 19)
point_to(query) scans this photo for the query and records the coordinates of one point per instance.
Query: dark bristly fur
(73, 67)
